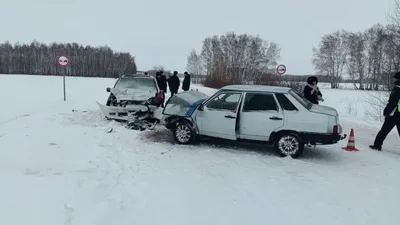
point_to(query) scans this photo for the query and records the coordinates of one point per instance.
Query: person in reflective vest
(391, 113)
(398, 106)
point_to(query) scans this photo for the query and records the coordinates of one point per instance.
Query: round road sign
(281, 69)
(63, 60)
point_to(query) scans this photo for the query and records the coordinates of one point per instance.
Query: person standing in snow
(174, 83)
(186, 82)
(161, 81)
(311, 90)
(391, 114)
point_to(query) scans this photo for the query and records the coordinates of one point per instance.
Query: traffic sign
(63, 61)
(281, 69)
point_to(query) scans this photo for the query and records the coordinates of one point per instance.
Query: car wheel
(184, 133)
(289, 144)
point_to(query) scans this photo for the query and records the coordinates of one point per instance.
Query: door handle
(275, 118)
(230, 117)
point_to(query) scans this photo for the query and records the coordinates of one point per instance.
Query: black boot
(375, 148)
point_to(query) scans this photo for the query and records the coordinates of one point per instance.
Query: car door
(217, 117)
(260, 115)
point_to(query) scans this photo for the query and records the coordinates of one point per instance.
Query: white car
(275, 115)
(128, 95)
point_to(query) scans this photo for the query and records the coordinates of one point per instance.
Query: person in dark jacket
(161, 81)
(186, 82)
(311, 90)
(391, 114)
(174, 83)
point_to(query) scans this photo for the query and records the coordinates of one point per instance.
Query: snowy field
(61, 167)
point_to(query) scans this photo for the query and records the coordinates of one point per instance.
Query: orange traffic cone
(351, 144)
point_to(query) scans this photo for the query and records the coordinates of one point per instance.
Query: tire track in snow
(15, 118)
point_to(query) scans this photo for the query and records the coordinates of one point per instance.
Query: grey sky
(163, 32)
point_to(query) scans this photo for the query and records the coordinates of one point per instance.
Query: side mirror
(201, 107)
(108, 89)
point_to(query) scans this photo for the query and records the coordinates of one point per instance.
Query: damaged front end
(136, 117)
(181, 107)
(135, 109)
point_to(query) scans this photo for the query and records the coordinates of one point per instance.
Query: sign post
(281, 69)
(64, 62)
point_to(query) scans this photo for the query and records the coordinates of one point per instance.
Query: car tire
(184, 133)
(289, 144)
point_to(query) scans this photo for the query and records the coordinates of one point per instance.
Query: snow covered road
(61, 167)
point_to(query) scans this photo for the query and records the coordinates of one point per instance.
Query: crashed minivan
(274, 115)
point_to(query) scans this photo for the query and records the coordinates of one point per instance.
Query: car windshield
(184, 103)
(142, 83)
(307, 104)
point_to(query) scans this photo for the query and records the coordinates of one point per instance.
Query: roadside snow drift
(61, 167)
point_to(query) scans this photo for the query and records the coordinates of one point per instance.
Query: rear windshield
(307, 104)
(142, 83)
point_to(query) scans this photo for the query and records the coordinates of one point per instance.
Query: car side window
(225, 101)
(260, 102)
(285, 103)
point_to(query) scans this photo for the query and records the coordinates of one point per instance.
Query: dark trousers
(174, 92)
(388, 125)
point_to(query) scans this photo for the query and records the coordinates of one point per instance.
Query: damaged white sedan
(274, 115)
(132, 100)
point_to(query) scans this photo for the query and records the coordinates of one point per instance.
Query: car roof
(258, 88)
(138, 75)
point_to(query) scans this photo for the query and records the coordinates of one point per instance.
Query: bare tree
(393, 18)
(357, 59)
(232, 58)
(194, 64)
(158, 68)
(331, 55)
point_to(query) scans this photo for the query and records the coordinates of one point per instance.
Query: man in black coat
(174, 83)
(186, 82)
(391, 113)
(161, 81)
(311, 90)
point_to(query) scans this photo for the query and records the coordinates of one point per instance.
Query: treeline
(367, 58)
(41, 59)
(234, 59)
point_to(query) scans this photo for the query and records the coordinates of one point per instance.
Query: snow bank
(60, 167)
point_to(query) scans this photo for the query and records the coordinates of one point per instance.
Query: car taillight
(337, 129)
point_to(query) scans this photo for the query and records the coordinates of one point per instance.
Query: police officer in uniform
(391, 113)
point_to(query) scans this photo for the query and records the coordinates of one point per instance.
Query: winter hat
(311, 80)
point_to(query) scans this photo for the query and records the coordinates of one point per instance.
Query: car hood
(184, 103)
(132, 94)
(324, 110)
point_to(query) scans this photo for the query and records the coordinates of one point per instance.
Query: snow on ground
(61, 167)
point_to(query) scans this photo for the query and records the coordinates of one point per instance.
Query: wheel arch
(274, 135)
(174, 120)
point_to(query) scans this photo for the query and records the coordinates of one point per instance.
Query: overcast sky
(163, 32)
